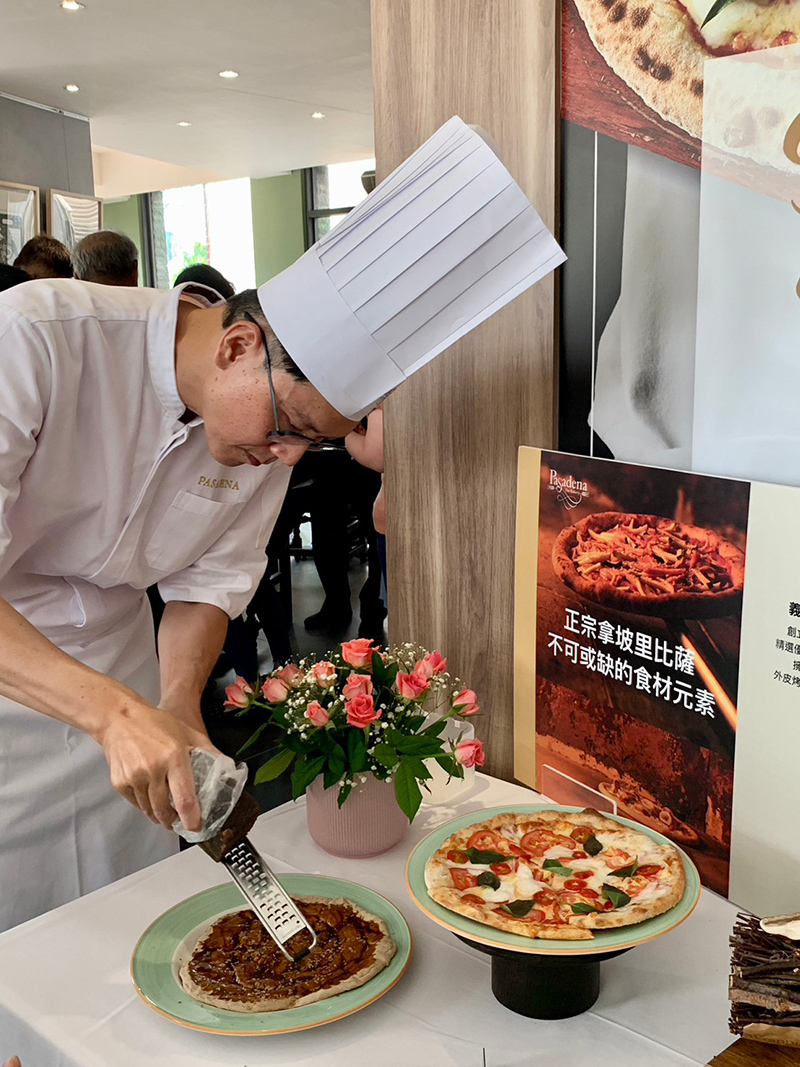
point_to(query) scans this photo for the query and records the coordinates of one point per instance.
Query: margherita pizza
(659, 47)
(236, 965)
(650, 565)
(555, 875)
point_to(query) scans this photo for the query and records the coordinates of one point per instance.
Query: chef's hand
(13, 1061)
(148, 753)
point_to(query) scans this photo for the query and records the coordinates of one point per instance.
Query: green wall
(123, 216)
(278, 223)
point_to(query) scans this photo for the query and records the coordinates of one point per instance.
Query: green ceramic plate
(604, 940)
(155, 971)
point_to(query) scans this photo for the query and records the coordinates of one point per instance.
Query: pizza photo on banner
(638, 629)
(651, 91)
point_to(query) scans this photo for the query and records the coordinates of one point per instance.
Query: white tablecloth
(66, 998)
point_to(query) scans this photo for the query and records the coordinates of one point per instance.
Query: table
(66, 998)
(744, 1053)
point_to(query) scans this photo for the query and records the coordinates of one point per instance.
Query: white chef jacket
(103, 492)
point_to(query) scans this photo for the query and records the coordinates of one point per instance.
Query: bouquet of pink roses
(362, 711)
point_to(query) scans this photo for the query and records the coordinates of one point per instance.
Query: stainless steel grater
(280, 915)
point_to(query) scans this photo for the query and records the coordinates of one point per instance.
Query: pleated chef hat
(440, 245)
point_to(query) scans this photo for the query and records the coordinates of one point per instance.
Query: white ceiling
(145, 65)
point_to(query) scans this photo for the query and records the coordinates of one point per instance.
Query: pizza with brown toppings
(650, 565)
(659, 47)
(555, 875)
(236, 965)
(638, 803)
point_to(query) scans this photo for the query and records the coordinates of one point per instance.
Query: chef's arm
(147, 748)
(190, 639)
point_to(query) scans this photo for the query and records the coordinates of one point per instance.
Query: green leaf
(626, 872)
(616, 896)
(357, 750)
(417, 768)
(407, 791)
(344, 793)
(252, 739)
(518, 908)
(336, 766)
(275, 767)
(489, 878)
(592, 846)
(435, 729)
(324, 741)
(296, 744)
(450, 764)
(392, 736)
(716, 8)
(419, 745)
(383, 674)
(386, 756)
(557, 867)
(305, 771)
(413, 722)
(478, 857)
(583, 909)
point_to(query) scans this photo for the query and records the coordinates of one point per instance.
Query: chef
(146, 437)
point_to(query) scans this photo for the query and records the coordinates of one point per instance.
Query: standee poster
(657, 660)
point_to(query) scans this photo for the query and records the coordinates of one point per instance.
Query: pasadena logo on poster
(570, 491)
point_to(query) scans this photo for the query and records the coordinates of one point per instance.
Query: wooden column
(453, 430)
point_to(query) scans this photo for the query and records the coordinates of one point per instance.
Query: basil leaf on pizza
(518, 908)
(557, 867)
(592, 846)
(714, 10)
(476, 856)
(626, 872)
(567, 896)
(617, 897)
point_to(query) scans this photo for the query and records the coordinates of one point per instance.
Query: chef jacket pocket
(189, 528)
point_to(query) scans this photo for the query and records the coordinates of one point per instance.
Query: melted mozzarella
(759, 24)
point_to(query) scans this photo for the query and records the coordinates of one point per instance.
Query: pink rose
(324, 673)
(466, 703)
(274, 691)
(316, 713)
(431, 663)
(239, 694)
(361, 711)
(355, 684)
(290, 675)
(358, 653)
(412, 686)
(470, 753)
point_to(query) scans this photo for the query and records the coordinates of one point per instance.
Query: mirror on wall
(71, 216)
(19, 218)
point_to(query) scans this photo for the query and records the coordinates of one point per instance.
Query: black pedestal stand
(544, 986)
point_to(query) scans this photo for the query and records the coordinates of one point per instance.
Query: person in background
(107, 258)
(11, 276)
(45, 257)
(205, 274)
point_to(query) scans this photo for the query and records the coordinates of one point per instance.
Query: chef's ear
(239, 341)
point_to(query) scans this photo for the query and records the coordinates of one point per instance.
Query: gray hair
(106, 257)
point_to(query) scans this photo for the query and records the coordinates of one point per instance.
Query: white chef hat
(440, 245)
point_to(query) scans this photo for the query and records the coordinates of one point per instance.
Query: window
(204, 224)
(332, 192)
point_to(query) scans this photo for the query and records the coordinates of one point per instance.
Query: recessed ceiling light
(229, 74)
(184, 124)
(317, 115)
(71, 5)
(72, 88)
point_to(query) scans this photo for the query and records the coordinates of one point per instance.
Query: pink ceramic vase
(369, 822)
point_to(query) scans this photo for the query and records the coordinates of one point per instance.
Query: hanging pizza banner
(644, 663)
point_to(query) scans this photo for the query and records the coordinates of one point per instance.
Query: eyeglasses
(277, 435)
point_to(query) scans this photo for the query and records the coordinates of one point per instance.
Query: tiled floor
(228, 731)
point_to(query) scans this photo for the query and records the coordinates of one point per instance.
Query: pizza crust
(383, 953)
(660, 605)
(580, 927)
